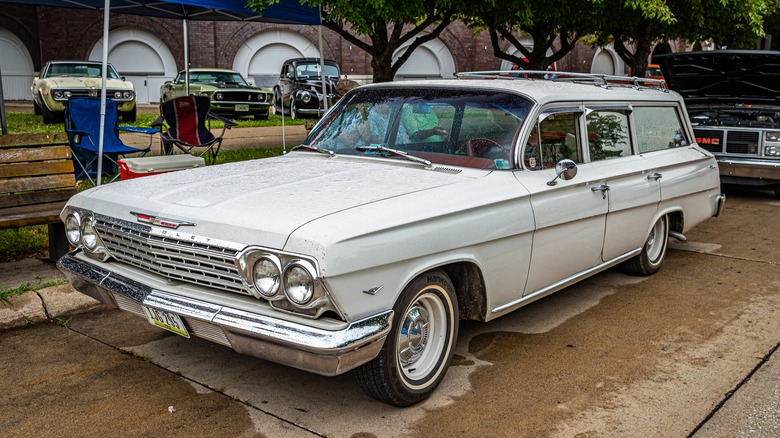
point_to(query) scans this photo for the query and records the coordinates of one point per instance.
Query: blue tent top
(285, 12)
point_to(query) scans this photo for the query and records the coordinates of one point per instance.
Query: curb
(44, 305)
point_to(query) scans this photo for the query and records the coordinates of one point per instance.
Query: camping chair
(188, 120)
(82, 124)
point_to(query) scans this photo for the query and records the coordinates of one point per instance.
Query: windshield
(470, 128)
(216, 77)
(80, 70)
(313, 70)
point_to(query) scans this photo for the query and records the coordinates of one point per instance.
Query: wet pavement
(690, 351)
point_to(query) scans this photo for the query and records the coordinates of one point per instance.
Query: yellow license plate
(167, 320)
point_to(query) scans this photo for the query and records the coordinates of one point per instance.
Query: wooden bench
(35, 183)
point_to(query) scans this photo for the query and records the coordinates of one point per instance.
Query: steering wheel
(480, 146)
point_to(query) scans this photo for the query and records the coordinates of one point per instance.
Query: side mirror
(566, 168)
(288, 75)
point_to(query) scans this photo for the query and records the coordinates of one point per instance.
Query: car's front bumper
(749, 169)
(233, 108)
(301, 346)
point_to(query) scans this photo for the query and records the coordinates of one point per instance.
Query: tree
(632, 26)
(381, 27)
(544, 21)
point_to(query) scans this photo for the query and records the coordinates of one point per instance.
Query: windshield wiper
(380, 148)
(315, 149)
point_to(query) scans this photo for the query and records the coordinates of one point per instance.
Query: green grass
(6, 293)
(29, 123)
(19, 243)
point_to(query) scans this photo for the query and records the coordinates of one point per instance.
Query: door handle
(602, 188)
(655, 176)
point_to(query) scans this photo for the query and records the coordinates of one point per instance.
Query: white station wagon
(409, 207)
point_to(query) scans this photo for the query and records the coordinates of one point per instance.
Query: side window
(658, 128)
(608, 134)
(553, 139)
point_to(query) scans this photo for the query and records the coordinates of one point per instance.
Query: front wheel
(418, 349)
(294, 110)
(651, 258)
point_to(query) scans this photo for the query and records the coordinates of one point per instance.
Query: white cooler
(130, 168)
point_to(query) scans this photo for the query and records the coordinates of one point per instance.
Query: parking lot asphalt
(690, 351)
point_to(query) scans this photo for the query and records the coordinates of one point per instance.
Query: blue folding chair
(82, 124)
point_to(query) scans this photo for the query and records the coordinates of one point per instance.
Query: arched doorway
(607, 62)
(16, 67)
(260, 58)
(142, 58)
(528, 43)
(431, 60)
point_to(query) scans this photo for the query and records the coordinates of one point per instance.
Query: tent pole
(322, 72)
(186, 59)
(106, 11)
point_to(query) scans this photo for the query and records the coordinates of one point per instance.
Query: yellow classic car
(60, 80)
(231, 95)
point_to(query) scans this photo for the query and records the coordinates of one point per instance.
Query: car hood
(724, 76)
(71, 82)
(262, 201)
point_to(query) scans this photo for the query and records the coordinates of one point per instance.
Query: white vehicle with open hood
(410, 206)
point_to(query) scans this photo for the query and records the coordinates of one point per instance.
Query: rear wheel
(651, 258)
(418, 349)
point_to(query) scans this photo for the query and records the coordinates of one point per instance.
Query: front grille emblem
(162, 222)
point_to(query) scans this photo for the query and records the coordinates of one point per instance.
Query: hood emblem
(159, 221)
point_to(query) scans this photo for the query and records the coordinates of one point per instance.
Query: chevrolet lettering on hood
(733, 101)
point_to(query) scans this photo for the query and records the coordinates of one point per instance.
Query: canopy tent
(286, 11)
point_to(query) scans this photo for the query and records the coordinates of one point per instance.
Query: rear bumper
(308, 348)
(767, 171)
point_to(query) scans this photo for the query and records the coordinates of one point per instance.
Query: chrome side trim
(327, 352)
(566, 282)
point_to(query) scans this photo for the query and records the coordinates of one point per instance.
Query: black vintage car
(299, 92)
(733, 100)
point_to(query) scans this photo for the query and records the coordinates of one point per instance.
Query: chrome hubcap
(413, 336)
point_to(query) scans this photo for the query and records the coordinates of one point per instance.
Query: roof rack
(602, 80)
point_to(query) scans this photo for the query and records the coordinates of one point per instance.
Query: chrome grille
(730, 141)
(190, 262)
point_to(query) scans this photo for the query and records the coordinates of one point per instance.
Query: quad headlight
(266, 275)
(299, 282)
(81, 233)
(73, 229)
(772, 136)
(772, 151)
(219, 96)
(288, 281)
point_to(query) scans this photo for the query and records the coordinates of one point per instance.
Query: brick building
(149, 51)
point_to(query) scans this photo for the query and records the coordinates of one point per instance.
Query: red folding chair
(185, 123)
